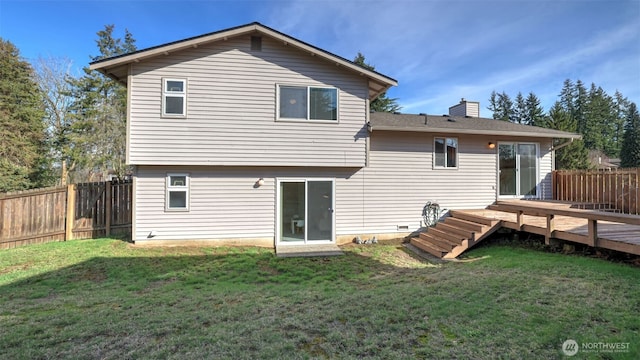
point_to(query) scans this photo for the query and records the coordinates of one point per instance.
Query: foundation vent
(256, 43)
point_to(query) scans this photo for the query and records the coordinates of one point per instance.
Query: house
(249, 136)
(599, 160)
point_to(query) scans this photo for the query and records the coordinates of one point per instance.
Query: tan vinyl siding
(231, 109)
(224, 204)
(390, 192)
(400, 178)
(546, 165)
(465, 108)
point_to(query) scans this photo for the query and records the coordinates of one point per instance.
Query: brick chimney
(465, 108)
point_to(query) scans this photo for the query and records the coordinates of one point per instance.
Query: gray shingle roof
(459, 125)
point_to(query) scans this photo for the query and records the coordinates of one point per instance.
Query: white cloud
(441, 51)
(606, 60)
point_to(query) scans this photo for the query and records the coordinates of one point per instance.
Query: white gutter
(475, 132)
(566, 143)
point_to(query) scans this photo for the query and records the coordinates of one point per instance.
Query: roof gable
(460, 125)
(116, 67)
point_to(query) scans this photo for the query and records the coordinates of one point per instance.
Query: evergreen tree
(600, 122)
(534, 113)
(382, 103)
(630, 154)
(98, 114)
(620, 111)
(501, 106)
(598, 117)
(567, 97)
(573, 99)
(493, 104)
(579, 106)
(520, 110)
(23, 163)
(574, 156)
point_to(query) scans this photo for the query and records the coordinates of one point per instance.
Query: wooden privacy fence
(77, 211)
(612, 190)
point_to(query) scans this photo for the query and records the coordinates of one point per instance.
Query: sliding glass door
(518, 170)
(305, 211)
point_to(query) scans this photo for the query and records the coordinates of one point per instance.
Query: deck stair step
(441, 242)
(501, 207)
(452, 238)
(473, 218)
(466, 234)
(429, 247)
(464, 224)
(456, 234)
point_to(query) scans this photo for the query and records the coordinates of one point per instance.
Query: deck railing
(611, 190)
(592, 237)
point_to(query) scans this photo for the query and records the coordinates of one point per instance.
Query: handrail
(534, 210)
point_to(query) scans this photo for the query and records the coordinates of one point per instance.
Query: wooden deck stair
(455, 235)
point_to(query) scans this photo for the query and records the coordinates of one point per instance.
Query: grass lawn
(107, 299)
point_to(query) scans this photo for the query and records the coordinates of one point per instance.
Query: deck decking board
(610, 235)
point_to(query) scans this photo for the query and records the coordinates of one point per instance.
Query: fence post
(71, 212)
(107, 211)
(637, 191)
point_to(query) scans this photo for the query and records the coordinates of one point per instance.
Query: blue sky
(438, 50)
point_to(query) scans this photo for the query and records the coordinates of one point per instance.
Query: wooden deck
(558, 220)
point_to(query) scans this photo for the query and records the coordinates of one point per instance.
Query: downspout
(367, 140)
(367, 146)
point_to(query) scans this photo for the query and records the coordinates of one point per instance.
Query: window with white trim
(177, 196)
(445, 152)
(307, 103)
(174, 97)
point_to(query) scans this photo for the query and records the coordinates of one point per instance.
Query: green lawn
(100, 299)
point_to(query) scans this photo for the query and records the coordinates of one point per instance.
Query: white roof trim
(105, 65)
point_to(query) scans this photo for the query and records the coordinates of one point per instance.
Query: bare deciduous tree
(52, 75)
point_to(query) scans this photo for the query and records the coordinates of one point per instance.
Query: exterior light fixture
(260, 182)
(491, 145)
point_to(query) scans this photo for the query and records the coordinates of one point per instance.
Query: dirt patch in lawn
(19, 267)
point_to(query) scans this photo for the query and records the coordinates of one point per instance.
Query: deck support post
(519, 219)
(593, 232)
(550, 229)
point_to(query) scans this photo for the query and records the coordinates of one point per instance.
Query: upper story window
(177, 196)
(174, 97)
(445, 152)
(307, 103)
